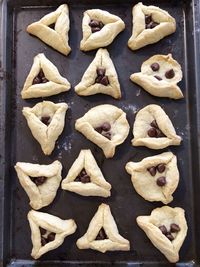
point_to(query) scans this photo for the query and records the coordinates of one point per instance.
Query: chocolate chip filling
(174, 228)
(155, 66)
(49, 238)
(161, 181)
(101, 77)
(170, 74)
(154, 131)
(101, 235)
(96, 25)
(40, 78)
(52, 26)
(42, 231)
(83, 177)
(104, 130)
(38, 180)
(46, 120)
(149, 23)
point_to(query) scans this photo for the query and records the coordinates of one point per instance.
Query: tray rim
(3, 164)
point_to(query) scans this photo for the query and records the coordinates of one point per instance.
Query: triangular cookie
(100, 77)
(40, 182)
(155, 178)
(44, 79)
(153, 129)
(106, 126)
(102, 233)
(166, 227)
(159, 76)
(85, 177)
(46, 121)
(48, 232)
(150, 25)
(99, 29)
(53, 29)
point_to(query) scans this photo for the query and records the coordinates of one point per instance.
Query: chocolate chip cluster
(83, 177)
(96, 25)
(50, 237)
(104, 130)
(101, 235)
(174, 228)
(154, 131)
(38, 180)
(40, 78)
(161, 181)
(101, 77)
(168, 74)
(149, 22)
(46, 120)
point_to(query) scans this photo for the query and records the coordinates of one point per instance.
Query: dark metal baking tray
(17, 144)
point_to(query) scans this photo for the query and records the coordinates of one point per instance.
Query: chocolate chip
(152, 170)
(148, 19)
(104, 80)
(158, 78)
(43, 241)
(154, 124)
(107, 135)
(44, 80)
(152, 132)
(83, 177)
(41, 74)
(98, 129)
(39, 180)
(106, 126)
(46, 120)
(101, 71)
(170, 236)
(94, 23)
(97, 29)
(42, 231)
(155, 66)
(163, 229)
(161, 181)
(36, 80)
(161, 167)
(174, 228)
(160, 133)
(51, 237)
(101, 235)
(170, 74)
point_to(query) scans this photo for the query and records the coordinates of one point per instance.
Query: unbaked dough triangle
(48, 232)
(85, 177)
(40, 182)
(106, 126)
(100, 77)
(150, 25)
(172, 232)
(46, 121)
(111, 26)
(155, 178)
(44, 79)
(153, 128)
(102, 233)
(56, 37)
(159, 76)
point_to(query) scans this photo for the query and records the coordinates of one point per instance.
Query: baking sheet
(18, 143)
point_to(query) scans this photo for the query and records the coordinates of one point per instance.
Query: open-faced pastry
(155, 178)
(43, 79)
(106, 126)
(102, 233)
(99, 29)
(100, 77)
(40, 182)
(85, 177)
(150, 25)
(48, 232)
(159, 76)
(46, 121)
(53, 29)
(166, 227)
(153, 128)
